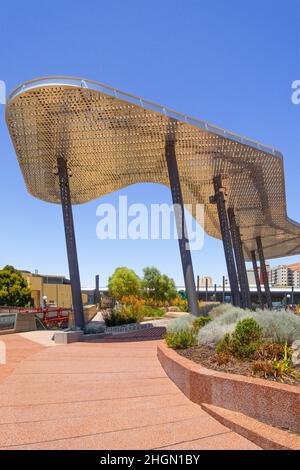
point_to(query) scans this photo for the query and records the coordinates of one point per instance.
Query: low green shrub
(123, 315)
(244, 340)
(247, 331)
(224, 345)
(181, 339)
(199, 322)
(152, 311)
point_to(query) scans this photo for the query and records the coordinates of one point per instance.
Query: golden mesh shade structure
(111, 139)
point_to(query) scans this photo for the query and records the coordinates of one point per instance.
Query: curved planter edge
(269, 402)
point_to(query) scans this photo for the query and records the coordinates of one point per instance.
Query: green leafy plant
(244, 340)
(124, 282)
(224, 346)
(14, 290)
(199, 323)
(158, 286)
(153, 312)
(181, 339)
(282, 366)
(123, 315)
(247, 331)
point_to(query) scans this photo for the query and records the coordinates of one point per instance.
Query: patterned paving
(105, 395)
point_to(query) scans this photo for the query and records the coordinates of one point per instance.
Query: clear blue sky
(227, 62)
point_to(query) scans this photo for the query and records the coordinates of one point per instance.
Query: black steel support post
(186, 259)
(206, 289)
(70, 242)
(264, 271)
(219, 198)
(239, 259)
(223, 285)
(257, 281)
(96, 291)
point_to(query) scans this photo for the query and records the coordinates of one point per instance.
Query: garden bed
(273, 403)
(207, 357)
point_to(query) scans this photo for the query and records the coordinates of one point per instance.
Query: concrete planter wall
(272, 403)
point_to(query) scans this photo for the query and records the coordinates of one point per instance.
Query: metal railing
(137, 101)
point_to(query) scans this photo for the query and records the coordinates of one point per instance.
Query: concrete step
(265, 436)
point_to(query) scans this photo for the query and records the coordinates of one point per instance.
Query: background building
(286, 275)
(203, 281)
(56, 288)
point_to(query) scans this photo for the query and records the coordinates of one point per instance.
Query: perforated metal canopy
(112, 139)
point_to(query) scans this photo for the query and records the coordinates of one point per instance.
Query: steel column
(70, 242)
(206, 289)
(223, 285)
(239, 259)
(96, 291)
(219, 199)
(186, 259)
(264, 271)
(257, 281)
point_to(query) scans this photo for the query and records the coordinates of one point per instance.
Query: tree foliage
(158, 286)
(124, 282)
(14, 290)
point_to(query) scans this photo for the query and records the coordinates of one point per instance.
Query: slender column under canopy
(70, 242)
(219, 199)
(264, 271)
(96, 291)
(186, 259)
(257, 281)
(239, 259)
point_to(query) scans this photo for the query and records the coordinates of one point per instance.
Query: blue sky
(230, 63)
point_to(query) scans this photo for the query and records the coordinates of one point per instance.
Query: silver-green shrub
(220, 310)
(183, 323)
(277, 326)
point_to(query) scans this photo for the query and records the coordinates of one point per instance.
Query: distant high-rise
(203, 281)
(286, 275)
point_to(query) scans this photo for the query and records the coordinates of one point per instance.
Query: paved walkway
(107, 395)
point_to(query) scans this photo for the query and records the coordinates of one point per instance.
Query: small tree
(158, 286)
(124, 282)
(14, 290)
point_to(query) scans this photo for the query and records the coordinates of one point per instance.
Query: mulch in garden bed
(207, 357)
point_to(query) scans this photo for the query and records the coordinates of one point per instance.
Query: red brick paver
(105, 395)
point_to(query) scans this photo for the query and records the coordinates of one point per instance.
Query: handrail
(116, 93)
